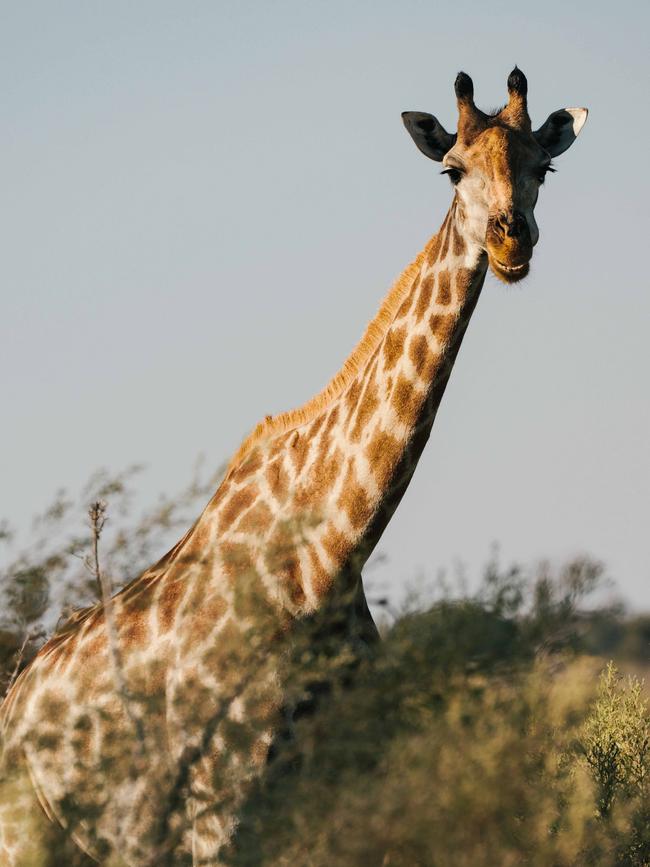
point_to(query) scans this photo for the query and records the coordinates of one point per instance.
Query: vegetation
(488, 728)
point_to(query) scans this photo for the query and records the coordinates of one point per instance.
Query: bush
(477, 733)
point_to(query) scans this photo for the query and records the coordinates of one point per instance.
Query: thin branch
(19, 659)
(97, 515)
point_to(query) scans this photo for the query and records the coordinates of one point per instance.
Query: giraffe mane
(375, 332)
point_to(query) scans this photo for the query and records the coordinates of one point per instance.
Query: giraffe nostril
(515, 225)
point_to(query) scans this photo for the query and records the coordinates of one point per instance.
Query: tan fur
(375, 332)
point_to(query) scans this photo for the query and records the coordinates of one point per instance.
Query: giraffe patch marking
(336, 544)
(239, 501)
(383, 453)
(367, 406)
(251, 464)
(444, 288)
(422, 358)
(394, 346)
(406, 401)
(237, 559)
(445, 240)
(354, 500)
(321, 579)
(256, 520)
(424, 298)
(443, 326)
(352, 395)
(434, 250)
(458, 242)
(278, 479)
(169, 599)
(299, 451)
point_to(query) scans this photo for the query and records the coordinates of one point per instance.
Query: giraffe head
(497, 164)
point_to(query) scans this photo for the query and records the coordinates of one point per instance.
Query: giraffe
(157, 770)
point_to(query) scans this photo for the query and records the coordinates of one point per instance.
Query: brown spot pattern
(279, 444)
(278, 479)
(463, 282)
(291, 573)
(393, 346)
(332, 418)
(256, 520)
(323, 475)
(299, 450)
(205, 617)
(52, 705)
(383, 453)
(168, 601)
(405, 306)
(421, 356)
(336, 544)
(458, 242)
(434, 250)
(445, 241)
(354, 500)
(282, 560)
(82, 739)
(444, 288)
(279, 547)
(406, 401)
(239, 501)
(96, 644)
(316, 425)
(424, 298)
(251, 463)
(321, 580)
(352, 395)
(220, 495)
(302, 497)
(443, 326)
(368, 405)
(134, 632)
(237, 559)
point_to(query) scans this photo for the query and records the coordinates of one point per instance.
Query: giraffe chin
(508, 273)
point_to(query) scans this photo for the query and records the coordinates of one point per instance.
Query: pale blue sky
(204, 203)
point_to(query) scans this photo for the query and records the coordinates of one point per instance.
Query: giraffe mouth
(509, 273)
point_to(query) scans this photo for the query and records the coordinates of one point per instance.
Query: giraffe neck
(305, 504)
(386, 416)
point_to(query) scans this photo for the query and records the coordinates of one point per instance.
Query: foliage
(53, 574)
(616, 738)
(477, 732)
(459, 743)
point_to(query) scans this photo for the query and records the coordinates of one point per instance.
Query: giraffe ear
(561, 129)
(428, 134)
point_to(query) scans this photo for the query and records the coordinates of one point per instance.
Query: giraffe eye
(541, 175)
(454, 175)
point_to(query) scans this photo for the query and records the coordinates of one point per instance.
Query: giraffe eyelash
(544, 171)
(454, 174)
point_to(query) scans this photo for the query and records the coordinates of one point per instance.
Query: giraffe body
(205, 634)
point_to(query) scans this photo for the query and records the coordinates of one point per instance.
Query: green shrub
(477, 733)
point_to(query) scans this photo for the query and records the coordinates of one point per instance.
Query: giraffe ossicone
(204, 634)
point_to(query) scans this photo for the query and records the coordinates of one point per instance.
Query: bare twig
(97, 515)
(29, 635)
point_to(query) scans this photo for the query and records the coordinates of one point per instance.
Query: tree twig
(97, 515)
(14, 674)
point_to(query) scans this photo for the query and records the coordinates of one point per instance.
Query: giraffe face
(497, 177)
(497, 164)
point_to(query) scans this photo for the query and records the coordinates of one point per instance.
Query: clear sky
(203, 204)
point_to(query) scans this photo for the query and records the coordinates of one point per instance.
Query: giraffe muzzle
(509, 245)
